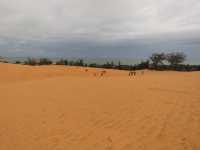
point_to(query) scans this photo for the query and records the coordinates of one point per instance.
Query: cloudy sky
(99, 28)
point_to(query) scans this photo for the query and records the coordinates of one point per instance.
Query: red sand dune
(68, 108)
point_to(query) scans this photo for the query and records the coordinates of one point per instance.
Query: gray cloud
(98, 27)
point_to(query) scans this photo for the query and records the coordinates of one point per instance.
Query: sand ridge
(58, 108)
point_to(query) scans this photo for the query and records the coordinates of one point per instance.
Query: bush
(109, 65)
(142, 65)
(62, 62)
(31, 61)
(94, 65)
(17, 62)
(45, 61)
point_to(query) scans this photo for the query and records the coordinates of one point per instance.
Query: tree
(60, 62)
(143, 65)
(112, 64)
(17, 62)
(66, 62)
(81, 62)
(157, 59)
(45, 61)
(119, 65)
(175, 58)
(31, 61)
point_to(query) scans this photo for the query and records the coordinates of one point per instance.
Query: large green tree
(175, 58)
(157, 59)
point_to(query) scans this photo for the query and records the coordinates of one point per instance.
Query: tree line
(157, 61)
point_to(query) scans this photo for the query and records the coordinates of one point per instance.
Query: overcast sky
(98, 28)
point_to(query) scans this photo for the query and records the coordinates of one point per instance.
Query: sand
(68, 108)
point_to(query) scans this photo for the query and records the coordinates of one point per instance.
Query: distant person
(131, 73)
(102, 73)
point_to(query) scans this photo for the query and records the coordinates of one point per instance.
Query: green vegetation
(157, 61)
(45, 61)
(175, 58)
(35, 62)
(17, 62)
(170, 61)
(31, 61)
(62, 62)
(79, 62)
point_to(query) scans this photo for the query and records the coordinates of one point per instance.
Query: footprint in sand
(61, 118)
(44, 122)
(109, 143)
(185, 144)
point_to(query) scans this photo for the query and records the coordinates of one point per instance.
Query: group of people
(133, 73)
(103, 72)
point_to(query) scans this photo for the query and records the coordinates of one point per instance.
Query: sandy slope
(67, 108)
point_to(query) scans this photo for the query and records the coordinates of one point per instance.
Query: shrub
(17, 62)
(62, 62)
(31, 61)
(45, 61)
